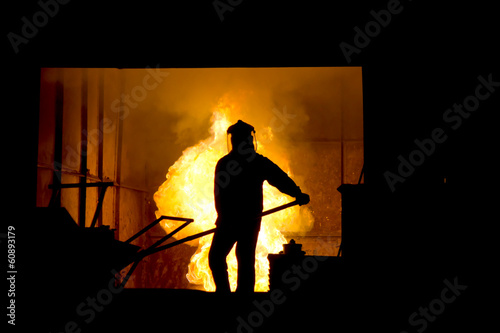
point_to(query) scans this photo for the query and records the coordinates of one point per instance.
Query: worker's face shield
(242, 144)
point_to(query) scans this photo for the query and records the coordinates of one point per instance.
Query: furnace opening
(155, 134)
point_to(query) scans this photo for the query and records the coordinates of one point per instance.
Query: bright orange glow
(188, 192)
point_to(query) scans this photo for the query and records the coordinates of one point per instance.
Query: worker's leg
(245, 253)
(222, 244)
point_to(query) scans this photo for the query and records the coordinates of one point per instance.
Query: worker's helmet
(241, 132)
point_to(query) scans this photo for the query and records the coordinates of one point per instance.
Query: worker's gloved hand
(303, 199)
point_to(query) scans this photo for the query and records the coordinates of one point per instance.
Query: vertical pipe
(100, 153)
(118, 155)
(342, 171)
(83, 151)
(55, 200)
(342, 100)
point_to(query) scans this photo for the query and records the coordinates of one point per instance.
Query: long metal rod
(149, 226)
(274, 210)
(180, 241)
(152, 249)
(161, 240)
(155, 222)
(129, 273)
(141, 255)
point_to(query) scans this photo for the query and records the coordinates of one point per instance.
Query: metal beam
(102, 191)
(82, 206)
(81, 185)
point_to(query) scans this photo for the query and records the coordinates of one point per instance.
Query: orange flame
(188, 192)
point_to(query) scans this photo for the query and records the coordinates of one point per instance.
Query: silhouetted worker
(239, 202)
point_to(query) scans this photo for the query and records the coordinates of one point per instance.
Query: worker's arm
(279, 179)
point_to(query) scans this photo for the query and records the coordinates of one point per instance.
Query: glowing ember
(188, 192)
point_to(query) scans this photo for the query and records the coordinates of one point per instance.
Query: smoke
(314, 97)
(302, 106)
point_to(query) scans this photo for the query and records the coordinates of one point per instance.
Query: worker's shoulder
(262, 158)
(258, 156)
(224, 159)
(263, 161)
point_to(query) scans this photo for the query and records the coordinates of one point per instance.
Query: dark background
(424, 61)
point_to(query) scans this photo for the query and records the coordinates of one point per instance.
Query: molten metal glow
(188, 192)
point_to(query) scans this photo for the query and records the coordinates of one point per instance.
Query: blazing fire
(188, 192)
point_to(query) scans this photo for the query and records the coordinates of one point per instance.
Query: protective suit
(239, 177)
